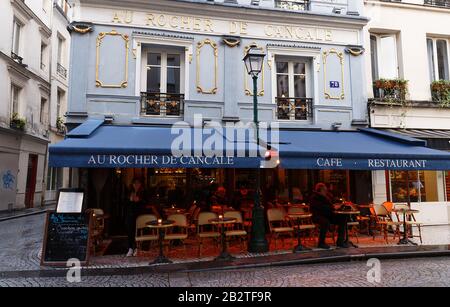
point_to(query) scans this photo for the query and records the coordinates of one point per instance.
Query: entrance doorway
(31, 180)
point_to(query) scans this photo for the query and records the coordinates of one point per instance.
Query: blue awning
(366, 149)
(109, 146)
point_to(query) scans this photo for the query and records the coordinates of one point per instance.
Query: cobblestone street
(21, 242)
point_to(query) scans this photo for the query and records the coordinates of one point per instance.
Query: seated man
(323, 215)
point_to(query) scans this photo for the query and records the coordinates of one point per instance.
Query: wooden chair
(411, 224)
(179, 231)
(237, 229)
(143, 233)
(206, 230)
(97, 227)
(278, 224)
(383, 221)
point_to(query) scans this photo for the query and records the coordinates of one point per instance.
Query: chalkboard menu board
(66, 236)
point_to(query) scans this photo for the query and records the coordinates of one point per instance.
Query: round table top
(163, 224)
(364, 206)
(352, 212)
(299, 215)
(175, 210)
(404, 210)
(225, 220)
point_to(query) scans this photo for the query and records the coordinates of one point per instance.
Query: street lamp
(254, 60)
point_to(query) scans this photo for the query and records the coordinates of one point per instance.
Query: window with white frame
(384, 56)
(15, 99)
(54, 178)
(164, 82)
(59, 100)
(43, 55)
(43, 115)
(438, 54)
(17, 28)
(60, 50)
(293, 88)
(164, 72)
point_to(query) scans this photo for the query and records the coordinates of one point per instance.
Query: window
(59, 100)
(43, 112)
(164, 72)
(43, 55)
(423, 186)
(384, 56)
(291, 79)
(60, 50)
(17, 27)
(54, 178)
(15, 96)
(438, 59)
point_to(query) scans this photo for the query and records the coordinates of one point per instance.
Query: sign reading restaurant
(222, 26)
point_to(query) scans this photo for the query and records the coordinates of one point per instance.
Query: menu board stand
(67, 231)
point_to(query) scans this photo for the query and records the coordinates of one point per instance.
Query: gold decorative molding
(82, 30)
(247, 89)
(213, 45)
(340, 56)
(101, 36)
(231, 42)
(355, 51)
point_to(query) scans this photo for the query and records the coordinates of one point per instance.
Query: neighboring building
(410, 40)
(27, 83)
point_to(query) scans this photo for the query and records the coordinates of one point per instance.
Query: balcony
(162, 104)
(294, 108)
(61, 71)
(439, 3)
(293, 5)
(392, 91)
(18, 59)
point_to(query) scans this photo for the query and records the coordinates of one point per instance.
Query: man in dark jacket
(323, 215)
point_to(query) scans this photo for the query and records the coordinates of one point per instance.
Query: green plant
(17, 122)
(391, 90)
(440, 92)
(59, 123)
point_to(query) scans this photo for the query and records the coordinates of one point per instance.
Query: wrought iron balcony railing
(440, 3)
(16, 58)
(294, 108)
(293, 5)
(162, 104)
(61, 70)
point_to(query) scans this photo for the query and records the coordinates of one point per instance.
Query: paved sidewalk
(17, 213)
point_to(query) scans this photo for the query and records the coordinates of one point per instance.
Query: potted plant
(391, 90)
(60, 125)
(440, 92)
(17, 122)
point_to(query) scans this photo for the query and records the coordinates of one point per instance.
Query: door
(31, 180)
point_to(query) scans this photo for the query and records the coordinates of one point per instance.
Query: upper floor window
(43, 55)
(60, 50)
(438, 54)
(43, 112)
(292, 79)
(163, 72)
(384, 56)
(293, 5)
(17, 28)
(15, 98)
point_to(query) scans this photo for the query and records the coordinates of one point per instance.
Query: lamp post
(254, 60)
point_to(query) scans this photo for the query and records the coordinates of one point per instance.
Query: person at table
(323, 214)
(297, 196)
(241, 198)
(220, 197)
(136, 202)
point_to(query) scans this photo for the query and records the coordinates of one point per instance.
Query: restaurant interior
(198, 203)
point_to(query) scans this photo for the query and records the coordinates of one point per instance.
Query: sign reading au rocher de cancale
(222, 26)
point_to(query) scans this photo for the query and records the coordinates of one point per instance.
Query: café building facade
(138, 68)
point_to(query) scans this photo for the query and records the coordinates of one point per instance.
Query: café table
(299, 217)
(222, 221)
(405, 212)
(161, 226)
(173, 210)
(347, 214)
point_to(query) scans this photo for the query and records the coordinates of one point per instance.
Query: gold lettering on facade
(233, 27)
(174, 22)
(123, 17)
(328, 35)
(151, 20)
(208, 26)
(185, 21)
(197, 24)
(244, 26)
(116, 18)
(161, 20)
